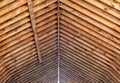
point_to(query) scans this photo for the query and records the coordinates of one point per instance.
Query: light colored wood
(78, 53)
(15, 31)
(88, 29)
(89, 41)
(46, 21)
(92, 27)
(99, 48)
(14, 26)
(112, 3)
(47, 34)
(44, 11)
(98, 11)
(13, 20)
(37, 2)
(16, 46)
(43, 5)
(15, 37)
(5, 2)
(92, 15)
(94, 38)
(90, 20)
(10, 15)
(41, 18)
(96, 53)
(106, 8)
(12, 6)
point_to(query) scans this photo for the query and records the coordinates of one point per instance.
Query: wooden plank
(43, 5)
(97, 51)
(78, 53)
(43, 27)
(30, 6)
(5, 2)
(15, 31)
(36, 2)
(14, 26)
(47, 34)
(102, 13)
(47, 30)
(87, 29)
(90, 20)
(31, 64)
(92, 15)
(107, 8)
(92, 45)
(45, 16)
(45, 10)
(12, 38)
(16, 41)
(12, 72)
(14, 13)
(111, 3)
(12, 6)
(85, 66)
(14, 19)
(38, 70)
(98, 40)
(19, 54)
(91, 26)
(46, 21)
(75, 72)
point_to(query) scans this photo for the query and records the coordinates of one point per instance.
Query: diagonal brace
(32, 17)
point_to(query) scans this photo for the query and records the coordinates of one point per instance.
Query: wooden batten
(78, 38)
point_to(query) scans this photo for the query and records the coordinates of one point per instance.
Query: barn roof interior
(73, 41)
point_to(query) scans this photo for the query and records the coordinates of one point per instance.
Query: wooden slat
(5, 2)
(13, 20)
(89, 43)
(105, 5)
(43, 5)
(92, 15)
(90, 20)
(90, 7)
(91, 26)
(45, 10)
(12, 6)
(112, 3)
(12, 14)
(14, 26)
(43, 17)
(16, 46)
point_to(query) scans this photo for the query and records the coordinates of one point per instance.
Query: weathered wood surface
(89, 41)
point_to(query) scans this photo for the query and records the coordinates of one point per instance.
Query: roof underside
(89, 41)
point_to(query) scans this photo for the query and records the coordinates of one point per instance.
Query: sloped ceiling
(86, 32)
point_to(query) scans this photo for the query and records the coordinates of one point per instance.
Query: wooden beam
(58, 40)
(32, 17)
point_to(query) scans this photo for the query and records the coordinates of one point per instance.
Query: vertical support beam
(58, 42)
(32, 17)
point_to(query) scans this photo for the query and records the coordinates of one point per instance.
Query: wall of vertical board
(89, 41)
